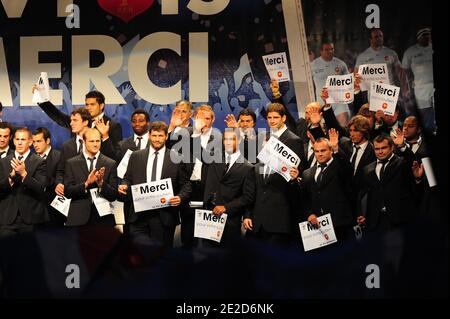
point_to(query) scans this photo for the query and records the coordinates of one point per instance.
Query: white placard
(313, 237)
(340, 88)
(153, 195)
(61, 204)
(383, 97)
(209, 226)
(104, 206)
(42, 93)
(279, 157)
(277, 66)
(373, 73)
(429, 171)
(122, 168)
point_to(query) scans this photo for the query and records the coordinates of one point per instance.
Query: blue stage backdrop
(133, 48)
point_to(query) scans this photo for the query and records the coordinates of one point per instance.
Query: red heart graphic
(126, 10)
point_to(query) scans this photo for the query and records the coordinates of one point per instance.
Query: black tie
(266, 172)
(357, 148)
(228, 163)
(139, 138)
(20, 158)
(91, 166)
(1, 154)
(80, 146)
(45, 156)
(154, 167)
(383, 166)
(320, 176)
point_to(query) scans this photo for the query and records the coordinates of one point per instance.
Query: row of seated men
(377, 183)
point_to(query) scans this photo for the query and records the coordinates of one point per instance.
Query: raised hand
(275, 87)
(102, 127)
(230, 121)
(334, 138)
(399, 138)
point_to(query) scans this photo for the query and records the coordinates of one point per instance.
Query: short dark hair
(325, 41)
(141, 111)
(85, 115)
(5, 125)
(96, 95)
(45, 132)
(372, 30)
(384, 137)
(184, 102)
(276, 107)
(159, 126)
(247, 112)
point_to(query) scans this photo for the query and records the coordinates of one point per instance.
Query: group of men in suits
(340, 172)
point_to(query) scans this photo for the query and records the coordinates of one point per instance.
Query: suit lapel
(165, 163)
(328, 174)
(391, 168)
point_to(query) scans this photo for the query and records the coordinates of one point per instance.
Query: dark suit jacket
(275, 204)
(136, 174)
(397, 192)
(234, 189)
(110, 147)
(127, 144)
(10, 151)
(367, 157)
(333, 195)
(53, 159)
(26, 197)
(81, 206)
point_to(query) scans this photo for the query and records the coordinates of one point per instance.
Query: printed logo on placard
(384, 106)
(284, 169)
(163, 200)
(280, 74)
(347, 95)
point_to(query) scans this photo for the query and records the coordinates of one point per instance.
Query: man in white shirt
(378, 53)
(322, 67)
(418, 62)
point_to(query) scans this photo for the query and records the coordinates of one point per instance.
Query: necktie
(45, 156)
(320, 176)
(266, 172)
(383, 166)
(357, 148)
(139, 138)
(228, 163)
(1, 154)
(91, 165)
(154, 167)
(20, 158)
(80, 146)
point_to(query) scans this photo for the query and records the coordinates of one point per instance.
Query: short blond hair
(204, 108)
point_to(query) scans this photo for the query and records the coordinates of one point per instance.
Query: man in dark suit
(5, 139)
(80, 120)
(272, 219)
(391, 187)
(86, 171)
(412, 132)
(140, 122)
(152, 164)
(22, 183)
(326, 187)
(230, 187)
(42, 146)
(205, 146)
(110, 130)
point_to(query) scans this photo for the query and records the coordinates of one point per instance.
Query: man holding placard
(90, 181)
(271, 220)
(230, 186)
(155, 173)
(328, 65)
(326, 187)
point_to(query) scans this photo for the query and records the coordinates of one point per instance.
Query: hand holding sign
(41, 90)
